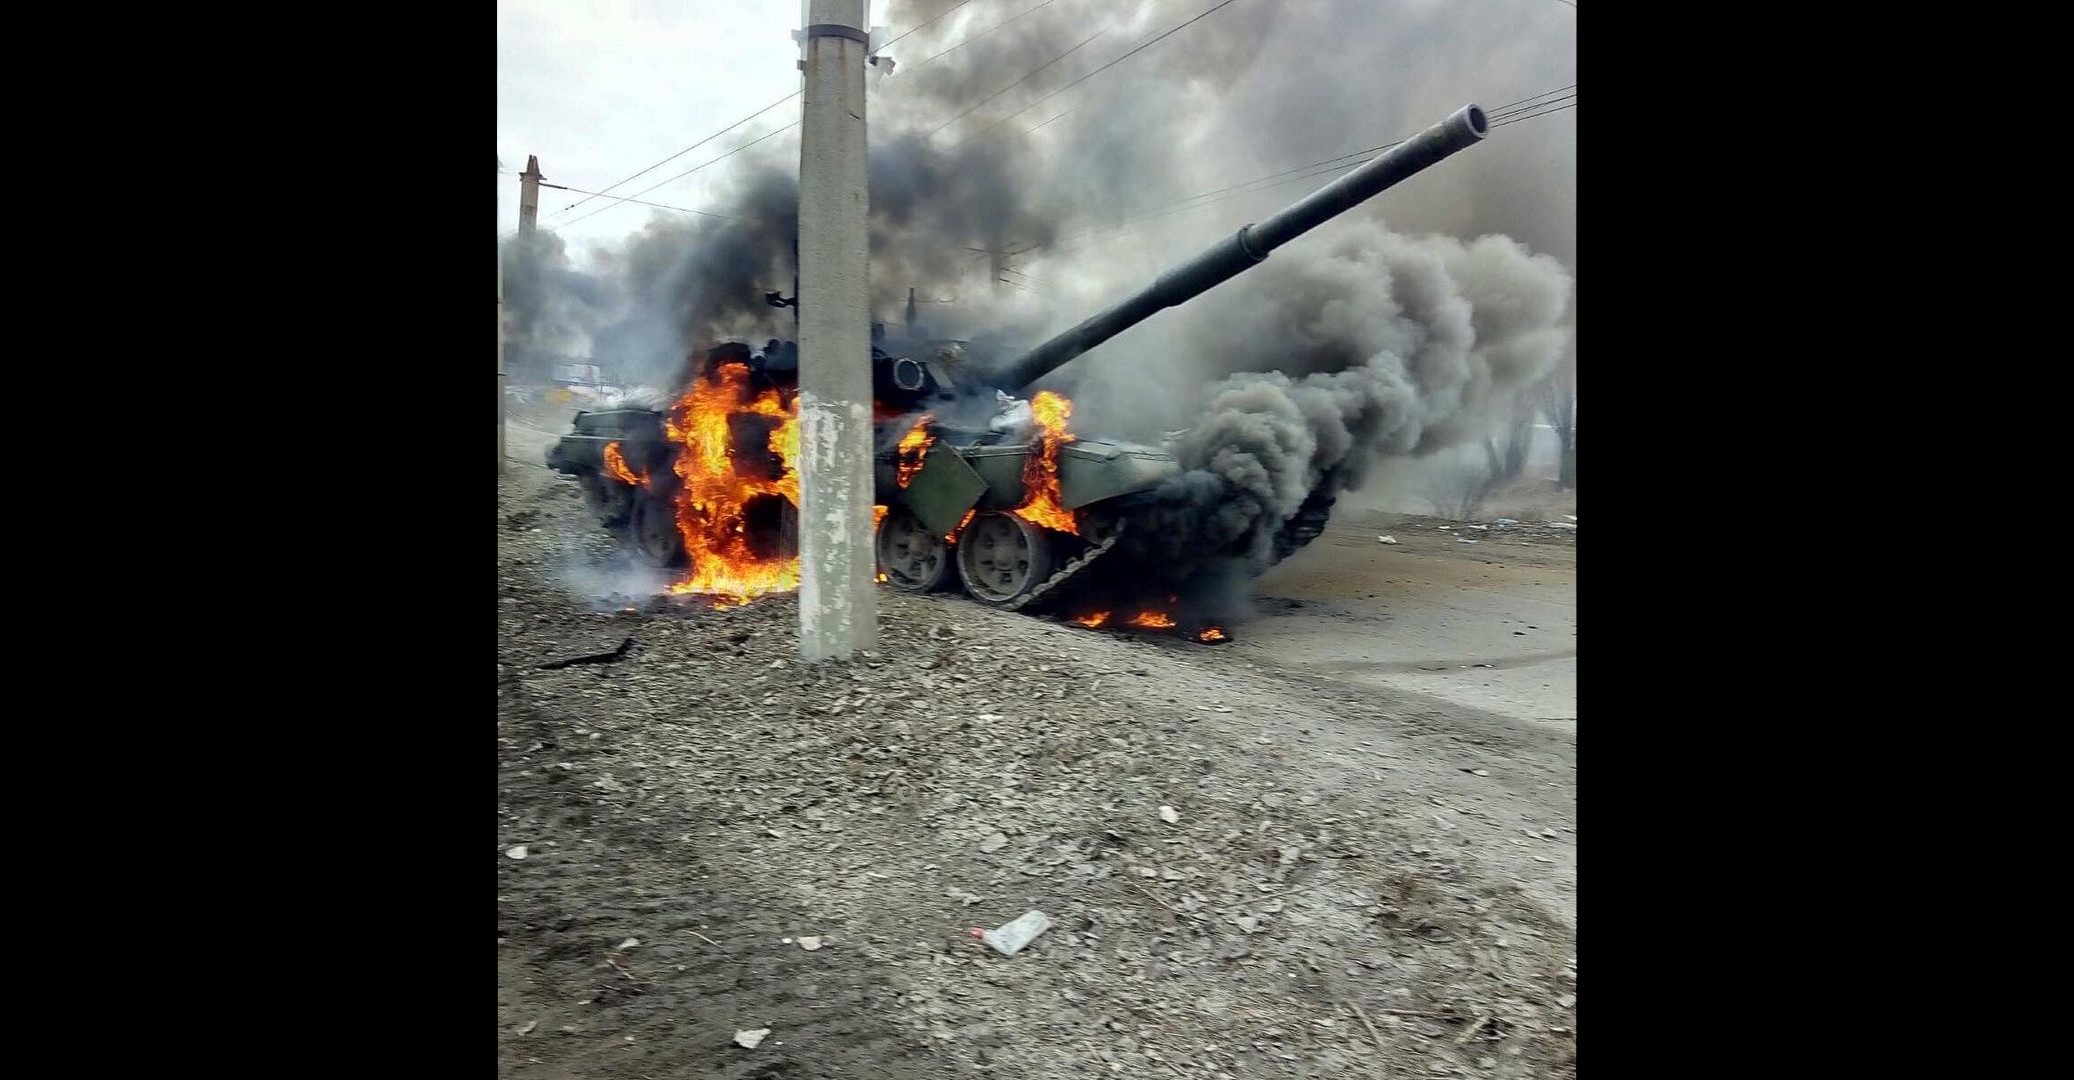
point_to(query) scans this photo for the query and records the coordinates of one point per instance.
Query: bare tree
(1505, 451)
(1458, 489)
(1559, 401)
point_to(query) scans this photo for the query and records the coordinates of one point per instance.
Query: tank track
(1067, 572)
(1306, 526)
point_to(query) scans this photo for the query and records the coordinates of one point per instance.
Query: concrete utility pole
(838, 609)
(529, 195)
(500, 346)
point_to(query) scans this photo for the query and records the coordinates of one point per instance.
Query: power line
(635, 197)
(1531, 116)
(925, 22)
(1314, 173)
(1306, 172)
(1523, 103)
(1019, 82)
(628, 198)
(686, 150)
(1135, 50)
(1517, 114)
(1055, 116)
(983, 33)
(679, 176)
(1505, 111)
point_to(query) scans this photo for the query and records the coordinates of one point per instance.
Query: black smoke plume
(1387, 346)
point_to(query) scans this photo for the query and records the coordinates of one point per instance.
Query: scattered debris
(1010, 939)
(515, 852)
(528, 1029)
(1363, 1017)
(629, 943)
(615, 654)
(750, 1040)
(1560, 524)
(1476, 772)
(1385, 539)
(733, 757)
(1466, 540)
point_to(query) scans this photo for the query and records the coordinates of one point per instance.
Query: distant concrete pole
(529, 195)
(500, 347)
(838, 609)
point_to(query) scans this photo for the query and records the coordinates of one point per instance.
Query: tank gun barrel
(1250, 245)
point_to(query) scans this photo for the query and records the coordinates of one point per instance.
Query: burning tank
(974, 484)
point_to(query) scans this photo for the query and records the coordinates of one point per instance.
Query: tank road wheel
(653, 532)
(1001, 558)
(611, 501)
(912, 558)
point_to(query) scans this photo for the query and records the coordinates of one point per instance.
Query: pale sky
(600, 89)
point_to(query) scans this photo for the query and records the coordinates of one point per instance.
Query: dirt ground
(1491, 624)
(1369, 867)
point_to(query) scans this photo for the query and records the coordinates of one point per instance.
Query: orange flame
(616, 464)
(1092, 621)
(1041, 502)
(714, 490)
(1152, 620)
(1212, 633)
(914, 446)
(878, 514)
(962, 522)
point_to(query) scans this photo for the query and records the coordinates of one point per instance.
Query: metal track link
(1078, 563)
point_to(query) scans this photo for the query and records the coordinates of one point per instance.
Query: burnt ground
(1361, 877)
